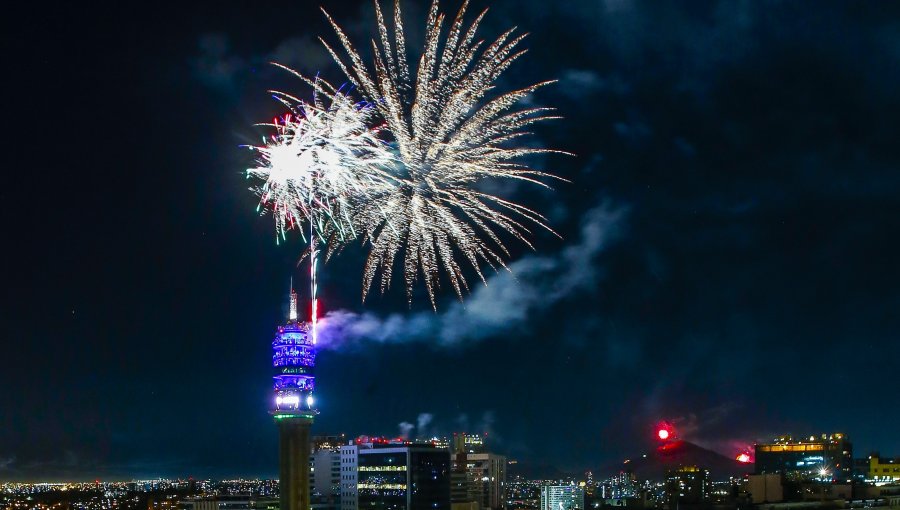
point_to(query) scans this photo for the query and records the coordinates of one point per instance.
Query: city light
(663, 434)
(290, 400)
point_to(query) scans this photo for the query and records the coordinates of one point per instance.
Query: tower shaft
(294, 452)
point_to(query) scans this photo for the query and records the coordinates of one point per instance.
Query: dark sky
(728, 262)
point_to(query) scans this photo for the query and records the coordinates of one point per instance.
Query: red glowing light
(665, 432)
(743, 457)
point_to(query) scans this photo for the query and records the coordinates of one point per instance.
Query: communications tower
(293, 405)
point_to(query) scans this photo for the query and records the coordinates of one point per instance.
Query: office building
(562, 497)
(325, 471)
(394, 476)
(882, 469)
(687, 484)
(489, 471)
(478, 476)
(827, 458)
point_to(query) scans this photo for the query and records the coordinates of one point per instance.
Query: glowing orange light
(743, 457)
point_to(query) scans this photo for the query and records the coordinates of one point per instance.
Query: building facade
(882, 469)
(827, 458)
(394, 477)
(325, 479)
(477, 476)
(687, 484)
(488, 472)
(562, 497)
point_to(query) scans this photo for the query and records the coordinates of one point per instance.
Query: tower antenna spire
(292, 314)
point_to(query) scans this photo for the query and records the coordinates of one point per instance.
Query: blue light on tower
(294, 360)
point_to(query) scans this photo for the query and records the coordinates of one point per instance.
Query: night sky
(728, 261)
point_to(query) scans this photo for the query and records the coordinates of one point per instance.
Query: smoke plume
(509, 298)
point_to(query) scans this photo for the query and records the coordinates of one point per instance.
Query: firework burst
(449, 139)
(324, 156)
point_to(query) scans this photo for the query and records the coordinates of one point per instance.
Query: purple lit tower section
(293, 406)
(294, 360)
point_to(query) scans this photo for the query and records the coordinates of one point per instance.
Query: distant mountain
(673, 454)
(538, 471)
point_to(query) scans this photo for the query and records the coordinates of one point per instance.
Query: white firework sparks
(320, 160)
(449, 140)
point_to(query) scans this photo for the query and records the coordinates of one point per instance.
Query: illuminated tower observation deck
(293, 406)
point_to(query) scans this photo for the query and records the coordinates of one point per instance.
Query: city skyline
(726, 261)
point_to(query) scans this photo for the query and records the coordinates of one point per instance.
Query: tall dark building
(477, 475)
(326, 473)
(825, 458)
(293, 406)
(395, 477)
(687, 484)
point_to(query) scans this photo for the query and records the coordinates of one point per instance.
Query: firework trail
(448, 140)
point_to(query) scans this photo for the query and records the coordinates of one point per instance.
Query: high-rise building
(478, 476)
(395, 476)
(489, 471)
(825, 458)
(293, 406)
(325, 466)
(466, 487)
(620, 486)
(562, 497)
(687, 484)
(349, 464)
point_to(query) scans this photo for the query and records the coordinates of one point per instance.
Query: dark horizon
(727, 260)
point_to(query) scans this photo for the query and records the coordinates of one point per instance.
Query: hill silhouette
(671, 455)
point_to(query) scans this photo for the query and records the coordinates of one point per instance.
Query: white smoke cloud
(504, 303)
(423, 421)
(427, 426)
(6, 463)
(484, 426)
(405, 429)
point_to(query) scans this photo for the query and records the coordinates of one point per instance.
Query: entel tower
(293, 405)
